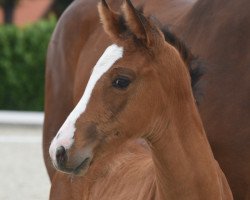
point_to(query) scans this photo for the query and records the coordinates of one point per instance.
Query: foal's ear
(111, 20)
(134, 24)
(135, 20)
(140, 26)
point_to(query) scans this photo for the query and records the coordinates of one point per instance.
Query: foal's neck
(184, 163)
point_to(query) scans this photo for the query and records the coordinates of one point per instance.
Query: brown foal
(136, 132)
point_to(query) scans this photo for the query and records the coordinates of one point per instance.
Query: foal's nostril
(61, 156)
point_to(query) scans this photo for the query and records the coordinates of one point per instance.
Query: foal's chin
(79, 169)
(82, 169)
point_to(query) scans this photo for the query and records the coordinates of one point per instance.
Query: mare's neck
(184, 163)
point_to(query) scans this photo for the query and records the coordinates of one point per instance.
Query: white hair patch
(65, 134)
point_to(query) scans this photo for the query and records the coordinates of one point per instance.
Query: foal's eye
(121, 82)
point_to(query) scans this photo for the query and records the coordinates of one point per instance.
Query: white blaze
(65, 134)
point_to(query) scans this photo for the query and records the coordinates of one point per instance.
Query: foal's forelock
(65, 135)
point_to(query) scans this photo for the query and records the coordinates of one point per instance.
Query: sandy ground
(22, 171)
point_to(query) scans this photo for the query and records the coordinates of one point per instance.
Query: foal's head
(133, 86)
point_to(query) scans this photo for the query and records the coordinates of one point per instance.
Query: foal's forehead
(109, 57)
(106, 61)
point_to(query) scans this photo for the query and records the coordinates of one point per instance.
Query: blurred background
(25, 30)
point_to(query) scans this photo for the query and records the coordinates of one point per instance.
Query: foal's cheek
(115, 103)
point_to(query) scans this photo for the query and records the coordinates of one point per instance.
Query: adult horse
(217, 31)
(137, 120)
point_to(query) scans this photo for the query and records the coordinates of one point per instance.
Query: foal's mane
(194, 64)
(185, 53)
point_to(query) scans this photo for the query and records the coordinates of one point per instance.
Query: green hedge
(22, 65)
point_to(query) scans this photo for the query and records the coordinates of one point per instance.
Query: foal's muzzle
(77, 166)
